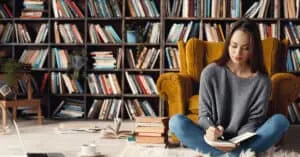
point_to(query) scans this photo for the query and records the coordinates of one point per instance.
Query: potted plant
(133, 33)
(78, 61)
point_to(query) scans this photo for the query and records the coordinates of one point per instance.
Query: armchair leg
(39, 118)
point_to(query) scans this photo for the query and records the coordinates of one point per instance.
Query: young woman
(234, 93)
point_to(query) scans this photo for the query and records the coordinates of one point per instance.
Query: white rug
(135, 150)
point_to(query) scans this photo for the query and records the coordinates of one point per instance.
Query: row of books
(151, 33)
(60, 58)
(183, 8)
(32, 9)
(106, 34)
(23, 36)
(138, 108)
(292, 33)
(214, 32)
(146, 58)
(104, 8)
(151, 130)
(69, 108)
(6, 32)
(172, 55)
(68, 32)
(291, 9)
(141, 84)
(35, 57)
(179, 31)
(106, 59)
(268, 30)
(5, 11)
(293, 60)
(103, 84)
(66, 9)
(225, 8)
(106, 109)
(143, 8)
(294, 113)
(62, 83)
(263, 9)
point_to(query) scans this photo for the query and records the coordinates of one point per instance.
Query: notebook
(33, 154)
(231, 142)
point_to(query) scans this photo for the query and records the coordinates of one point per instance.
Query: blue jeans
(191, 135)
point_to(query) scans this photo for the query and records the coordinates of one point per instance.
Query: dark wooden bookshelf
(50, 101)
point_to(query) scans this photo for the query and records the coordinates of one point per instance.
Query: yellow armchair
(181, 90)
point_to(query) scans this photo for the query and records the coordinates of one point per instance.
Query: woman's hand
(213, 133)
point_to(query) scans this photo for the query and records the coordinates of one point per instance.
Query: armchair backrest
(196, 54)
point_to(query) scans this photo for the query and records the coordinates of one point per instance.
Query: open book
(231, 142)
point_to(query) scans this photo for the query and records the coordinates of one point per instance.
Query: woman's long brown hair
(256, 61)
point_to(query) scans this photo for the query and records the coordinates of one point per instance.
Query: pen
(210, 123)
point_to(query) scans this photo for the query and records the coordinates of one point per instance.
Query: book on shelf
(103, 84)
(143, 8)
(139, 108)
(33, 9)
(61, 83)
(293, 60)
(231, 143)
(69, 33)
(66, 9)
(106, 34)
(294, 112)
(146, 59)
(183, 8)
(106, 8)
(141, 84)
(106, 59)
(69, 108)
(181, 31)
(172, 56)
(6, 31)
(5, 11)
(35, 57)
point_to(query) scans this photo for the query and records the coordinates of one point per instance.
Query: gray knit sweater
(238, 104)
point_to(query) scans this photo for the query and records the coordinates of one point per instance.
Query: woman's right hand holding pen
(213, 133)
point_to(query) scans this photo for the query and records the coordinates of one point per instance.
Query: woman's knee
(177, 123)
(280, 122)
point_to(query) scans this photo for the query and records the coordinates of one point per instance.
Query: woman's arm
(205, 97)
(258, 110)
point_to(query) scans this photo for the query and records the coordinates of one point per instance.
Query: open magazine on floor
(233, 142)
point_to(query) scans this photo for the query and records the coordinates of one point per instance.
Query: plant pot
(131, 36)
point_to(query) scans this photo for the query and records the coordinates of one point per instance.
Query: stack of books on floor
(151, 130)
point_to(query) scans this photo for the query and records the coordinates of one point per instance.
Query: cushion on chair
(194, 104)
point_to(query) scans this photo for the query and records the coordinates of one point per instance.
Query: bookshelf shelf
(105, 44)
(88, 46)
(182, 18)
(31, 19)
(68, 19)
(142, 19)
(104, 19)
(140, 96)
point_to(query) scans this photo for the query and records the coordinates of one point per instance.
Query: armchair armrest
(285, 90)
(176, 88)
